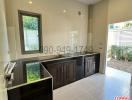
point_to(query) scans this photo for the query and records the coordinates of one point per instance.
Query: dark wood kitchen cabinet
(97, 62)
(63, 72)
(79, 68)
(39, 88)
(69, 71)
(56, 70)
(89, 66)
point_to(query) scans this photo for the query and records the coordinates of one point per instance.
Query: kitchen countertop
(22, 72)
(65, 56)
(24, 75)
(57, 57)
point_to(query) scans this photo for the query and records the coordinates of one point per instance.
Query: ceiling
(89, 1)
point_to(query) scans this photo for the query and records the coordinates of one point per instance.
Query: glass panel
(30, 29)
(33, 71)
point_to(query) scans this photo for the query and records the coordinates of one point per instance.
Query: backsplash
(60, 19)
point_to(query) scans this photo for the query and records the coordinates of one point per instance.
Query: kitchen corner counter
(21, 75)
(33, 77)
(30, 80)
(20, 72)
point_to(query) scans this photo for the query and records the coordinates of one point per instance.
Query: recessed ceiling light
(30, 2)
(64, 11)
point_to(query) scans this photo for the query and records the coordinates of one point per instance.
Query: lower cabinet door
(56, 70)
(41, 90)
(69, 71)
(89, 66)
(63, 72)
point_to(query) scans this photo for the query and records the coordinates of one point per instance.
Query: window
(30, 32)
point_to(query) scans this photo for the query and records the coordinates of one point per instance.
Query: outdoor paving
(121, 65)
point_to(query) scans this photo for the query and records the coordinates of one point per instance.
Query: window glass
(31, 39)
(30, 32)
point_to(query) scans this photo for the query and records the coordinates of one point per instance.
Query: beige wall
(4, 56)
(56, 25)
(100, 12)
(119, 10)
(3, 90)
(105, 12)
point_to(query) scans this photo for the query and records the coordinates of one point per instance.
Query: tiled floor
(97, 87)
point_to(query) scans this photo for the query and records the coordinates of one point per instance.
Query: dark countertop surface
(65, 56)
(57, 57)
(30, 70)
(27, 73)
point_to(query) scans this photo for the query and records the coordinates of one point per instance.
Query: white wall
(56, 25)
(4, 56)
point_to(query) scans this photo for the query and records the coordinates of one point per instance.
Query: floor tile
(97, 87)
